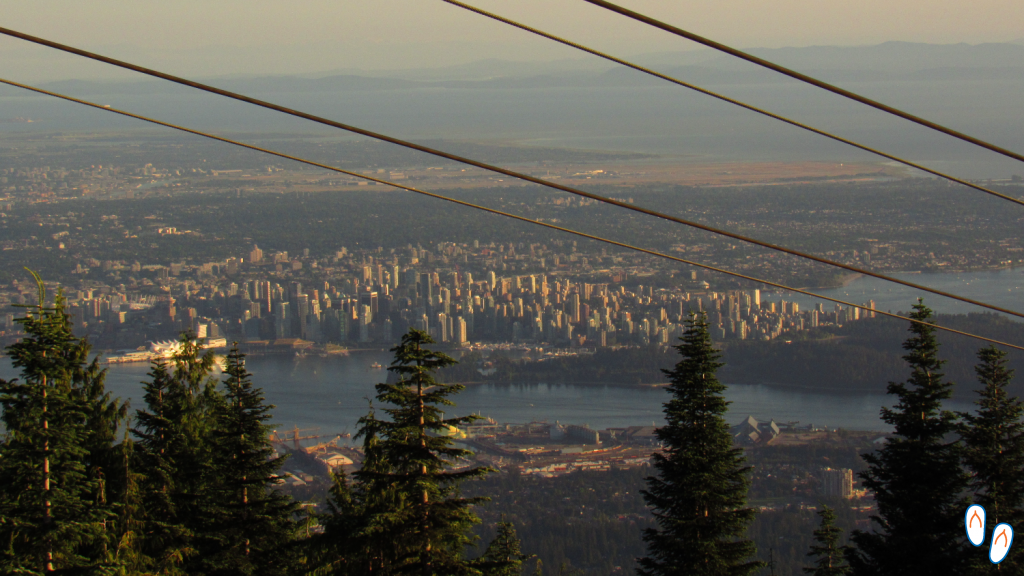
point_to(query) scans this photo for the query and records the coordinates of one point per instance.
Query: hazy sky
(215, 37)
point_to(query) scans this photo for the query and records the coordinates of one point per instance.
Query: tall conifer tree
(164, 540)
(254, 524)
(916, 476)
(403, 514)
(504, 555)
(700, 493)
(175, 452)
(338, 548)
(826, 548)
(130, 527)
(994, 453)
(361, 533)
(53, 514)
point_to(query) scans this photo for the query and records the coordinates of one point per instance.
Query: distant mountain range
(885, 57)
(888, 62)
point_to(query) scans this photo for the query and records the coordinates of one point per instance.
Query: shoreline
(655, 385)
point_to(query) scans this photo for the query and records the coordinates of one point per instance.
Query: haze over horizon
(263, 37)
(451, 74)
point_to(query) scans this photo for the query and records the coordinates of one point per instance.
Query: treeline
(590, 521)
(188, 488)
(594, 521)
(865, 355)
(860, 356)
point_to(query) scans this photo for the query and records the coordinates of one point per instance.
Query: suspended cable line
(501, 213)
(499, 170)
(734, 101)
(804, 78)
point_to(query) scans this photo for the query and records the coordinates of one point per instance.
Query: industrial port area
(547, 450)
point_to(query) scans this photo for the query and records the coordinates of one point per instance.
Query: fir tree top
(918, 411)
(826, 547)
(699, 496)
(406, 507)
(916, 477)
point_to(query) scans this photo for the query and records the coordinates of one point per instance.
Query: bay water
(331, 393)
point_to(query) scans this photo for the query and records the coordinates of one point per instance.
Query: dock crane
(333, 442)
(295, 436)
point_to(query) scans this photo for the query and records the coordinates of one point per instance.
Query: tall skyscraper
(837, 483)
(426, 289)
(441, 325)
(370, 300)
(460, 335)
(282, 320)
(256, 255)
(365, 316)
(446, 300)
(574, 307)
(301, 312)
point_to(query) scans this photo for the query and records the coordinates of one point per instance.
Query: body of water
(1002, 288)
(332, 393)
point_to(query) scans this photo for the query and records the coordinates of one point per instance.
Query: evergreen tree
(338, 548)
(128, 553)
(916, 477)
(826, 548)
(164, 540)
(565, 569)
(361, 534)
(699, 495)
(504, 556)
(174, 450)
(994, 453)
(253, 524)
(104, 417)
(53, 514)
(403, 513)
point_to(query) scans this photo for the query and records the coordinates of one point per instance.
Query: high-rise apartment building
(573, 307)
(460, 336)
(256, 255)
(837, 483)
